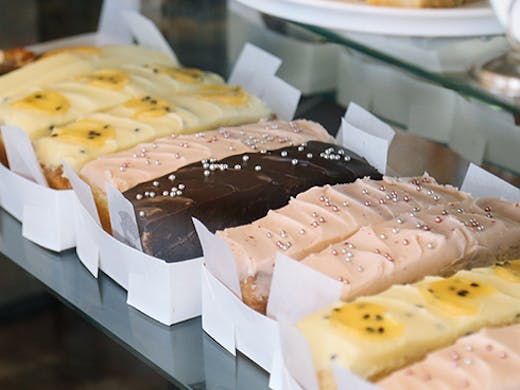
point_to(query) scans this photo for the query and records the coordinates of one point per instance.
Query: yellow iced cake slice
(102, 89)
(71, 62)
(372, 336)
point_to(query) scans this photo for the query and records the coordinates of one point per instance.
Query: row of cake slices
(82, 103)
(428, 335)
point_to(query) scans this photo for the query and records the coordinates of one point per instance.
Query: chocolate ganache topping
(233, 191)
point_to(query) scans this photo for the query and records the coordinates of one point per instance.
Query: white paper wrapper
(366, 135)
(482, 184)
(255, 71)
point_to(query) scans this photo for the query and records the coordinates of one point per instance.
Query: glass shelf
(459, 81)
(183, 353)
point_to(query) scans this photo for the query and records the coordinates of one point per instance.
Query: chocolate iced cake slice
(233, 191)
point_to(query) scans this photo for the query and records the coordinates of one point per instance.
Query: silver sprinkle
(302, 231)
(258, 168)
(178, 193)
(283, 153)
(207, 173)
(172, 194)
(347, 158)
(165, 193)
(345, 203)
(418, 225)
(245, 157)
(134, 155)
(269, 234)
(122, 169)
(300, 148)
(238, 167)
(350, 255)
(382, 236)
(154, 146)
(350, 246)
(157, 162)
(139, 197)
(314, 214)
(360, 268)
(231, 148)
(468, 362)
(400, 220)
(294, 161)
(205, 165)
(364, 191)
(155, 183)
(152, 194)
(468, 348)
(460, 210)
(141, 213)
(171, 177)
(395, 230)
(430, 245)
(283, 233)
(263, 151)
(309, 155)
(181, 186)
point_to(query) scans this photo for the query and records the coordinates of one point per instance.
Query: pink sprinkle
(334, 252)
(367, 203)
(408, 372)
(177, 155)
(502, 355)
(489, 347)
(382, 201)
(455, 355)
(426, 228)
(406, 198)
(427, 377)
(455, 364)
(464, 383)
(487, 209)
(405, 242)
(418, 188)
(378, 251)
(444, 212)
(335, 208)
(322, 220)
(314, 224)
(438, 219)
(322, 198)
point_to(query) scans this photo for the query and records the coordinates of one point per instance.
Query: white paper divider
(236, 326)
(348, 380)
(20, 154)
(255, 71)
(366, 135)
(110, 21)
(218, 258)
(298, 290)
(45, 213)
(281, 97)
(147, 34)
(82, 191)
(483, 184)
(122, 218)
(252, 68)
(297, 356)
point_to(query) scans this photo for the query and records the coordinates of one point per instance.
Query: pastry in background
(419, 3)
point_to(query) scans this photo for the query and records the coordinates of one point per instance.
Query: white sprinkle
(141, 213)
(207, 173)
(181, 186)
(245, 157)
(238, 167)
(294, 161)
(258, 168)
(382, 236)
(139, 197)
(309, 155)
(155, 183)
(171, 177)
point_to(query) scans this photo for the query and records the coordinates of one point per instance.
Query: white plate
(474, 19)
